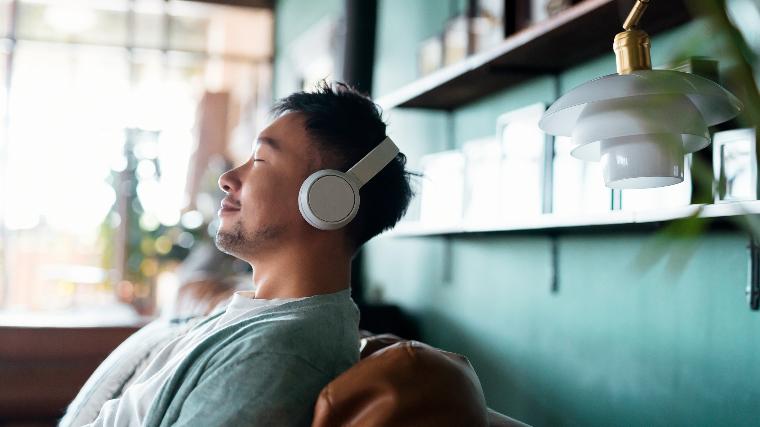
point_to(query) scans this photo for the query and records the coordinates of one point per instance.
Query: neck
(301, 271)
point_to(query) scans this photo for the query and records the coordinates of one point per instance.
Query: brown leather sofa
(406, 383)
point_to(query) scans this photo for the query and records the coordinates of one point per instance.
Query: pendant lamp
(640, 123)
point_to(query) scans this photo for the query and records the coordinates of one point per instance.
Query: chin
(230, 238)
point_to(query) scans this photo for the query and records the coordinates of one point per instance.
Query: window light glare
(70, 19)
(192, 220)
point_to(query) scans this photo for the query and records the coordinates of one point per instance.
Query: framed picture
(522, 162)
(442, 190)
(735, 165)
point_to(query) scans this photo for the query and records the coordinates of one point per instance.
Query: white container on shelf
(482, 179)
(578, 186)
(442, 190)
(522, 165)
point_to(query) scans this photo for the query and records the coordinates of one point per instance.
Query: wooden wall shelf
(725, 212)
(570, 38)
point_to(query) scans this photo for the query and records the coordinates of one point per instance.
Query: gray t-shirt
(258, 362)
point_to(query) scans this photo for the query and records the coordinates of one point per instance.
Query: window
(100, 153)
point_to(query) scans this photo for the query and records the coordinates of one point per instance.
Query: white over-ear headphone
(329, 199)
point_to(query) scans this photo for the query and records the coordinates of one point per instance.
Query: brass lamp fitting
(632, 45)
(632, 51)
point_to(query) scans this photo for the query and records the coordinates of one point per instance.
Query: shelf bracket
(447, 275)
(554, 254)
(753, 275)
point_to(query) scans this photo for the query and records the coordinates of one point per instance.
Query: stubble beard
(238, 243)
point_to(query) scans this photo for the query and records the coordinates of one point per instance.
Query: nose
(229, 181)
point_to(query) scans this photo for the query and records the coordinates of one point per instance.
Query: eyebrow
(270, 142)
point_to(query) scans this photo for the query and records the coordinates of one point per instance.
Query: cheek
(272, 199)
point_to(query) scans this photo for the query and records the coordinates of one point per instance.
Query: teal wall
(618, 344)
(292, 17)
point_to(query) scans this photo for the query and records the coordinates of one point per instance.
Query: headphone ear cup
(328, 199)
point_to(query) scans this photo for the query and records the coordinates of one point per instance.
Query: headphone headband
(371, 164)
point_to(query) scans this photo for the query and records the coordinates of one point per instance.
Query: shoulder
(323, 331)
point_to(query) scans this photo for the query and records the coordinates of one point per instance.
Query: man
(264, 358)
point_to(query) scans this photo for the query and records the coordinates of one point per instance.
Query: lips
(228, 205)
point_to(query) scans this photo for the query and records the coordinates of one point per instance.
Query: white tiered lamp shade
(640, 125)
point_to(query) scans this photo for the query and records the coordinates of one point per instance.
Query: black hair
(345, 125)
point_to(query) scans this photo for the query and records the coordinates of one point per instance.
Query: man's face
(261, 206)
